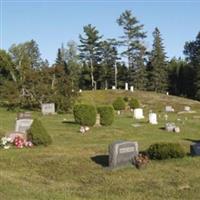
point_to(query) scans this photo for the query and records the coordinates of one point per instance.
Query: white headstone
(113, 87)
(132, 89)
(80, 91)
(138, 113)
(126, 86)
(187, 108)
(169, 109)
(22, 125)
(48, 108)
(153, 118)
(177, 129)
(170, 127)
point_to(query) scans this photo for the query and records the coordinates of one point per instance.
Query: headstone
(22, 125)
(169, 109)
(48, 108)
(167, 93)
(122, 153)
(80, 91)
(132, 89)
(126, 86)
(24, 115)
(138, 113)
(195, 149)
(113, 87)
(187, 108)
(153, 118)
(170, 127)
(177, 129)
(166, 117)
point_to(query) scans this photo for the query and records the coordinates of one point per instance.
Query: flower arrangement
(141, 160)
(17, 141)
(5, 142)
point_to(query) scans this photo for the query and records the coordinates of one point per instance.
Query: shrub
(134, 103)
(106, 115)
(162, 151)
(119, 104)
(38, 135)
(126, 99)
(85, 114)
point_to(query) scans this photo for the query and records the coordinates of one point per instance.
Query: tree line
(27, 81)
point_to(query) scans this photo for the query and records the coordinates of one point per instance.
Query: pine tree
(192, 52)
(90, 46)
(59, 58)
(158, 79)
(132, 40)
(109, 57)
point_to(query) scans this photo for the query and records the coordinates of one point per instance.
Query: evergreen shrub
(119, 104)
(161, 151)
(85, 114)
(38, 135)
(134, 103)
(106, 115)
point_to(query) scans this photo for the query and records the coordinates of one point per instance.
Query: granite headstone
(122, 153)
(48, 108)
(22, 125)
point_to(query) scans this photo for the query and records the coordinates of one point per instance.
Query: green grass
(67, 170)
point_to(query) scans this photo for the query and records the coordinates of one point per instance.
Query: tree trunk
(92, 73)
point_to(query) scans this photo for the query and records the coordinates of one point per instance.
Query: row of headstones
(126, 87)
(123, 152)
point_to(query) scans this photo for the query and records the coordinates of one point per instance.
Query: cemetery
(97, 150)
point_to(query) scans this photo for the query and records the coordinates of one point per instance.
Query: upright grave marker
(122, 153)
(48, 108)
(126, 86)
(195, 149)
(23, 122)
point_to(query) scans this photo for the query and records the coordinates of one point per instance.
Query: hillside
(151, 100)
(75, 166)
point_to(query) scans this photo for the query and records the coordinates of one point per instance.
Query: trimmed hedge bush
(119, 104)
(106, 115)
(134, 103)
(85, 114)
(38, 135)
(161, 151)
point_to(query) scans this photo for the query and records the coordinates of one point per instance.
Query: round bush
(126, 99)
(38, 135)
(161, 151)
(119, 104)
(134, 103)
(106, 115)
(85, 114)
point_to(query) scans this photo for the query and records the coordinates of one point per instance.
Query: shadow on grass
(192, 140)
(69, 122)
(101, 160)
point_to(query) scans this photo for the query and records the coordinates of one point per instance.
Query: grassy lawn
(75, 166)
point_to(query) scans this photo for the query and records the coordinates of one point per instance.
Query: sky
(51, 23)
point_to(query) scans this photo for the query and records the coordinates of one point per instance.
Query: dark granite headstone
(122, 153)
(195, 149)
